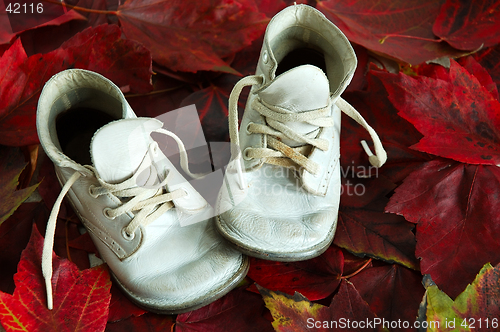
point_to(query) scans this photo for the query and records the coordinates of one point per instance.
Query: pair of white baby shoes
(166, 247)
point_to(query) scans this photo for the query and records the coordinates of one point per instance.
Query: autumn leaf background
(417, 240)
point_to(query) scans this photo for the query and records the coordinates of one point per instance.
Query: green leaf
(477, 308)
(347, 312)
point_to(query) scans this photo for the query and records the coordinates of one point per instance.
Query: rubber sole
(277, 256)
(205, 300)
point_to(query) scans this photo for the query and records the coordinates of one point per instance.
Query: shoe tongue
(303, 88)
(118, 148)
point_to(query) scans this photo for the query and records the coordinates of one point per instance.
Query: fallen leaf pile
(417, 243)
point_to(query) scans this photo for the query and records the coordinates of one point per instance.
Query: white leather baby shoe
(280, 201)
(131, 199)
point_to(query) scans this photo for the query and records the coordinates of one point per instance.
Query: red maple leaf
(364, 229)
(401, 29)
(393, 292)
(396, 133)
(458, 116)
(469, 25)
(458, 230)
(99, 49)
(192, 35)
(81, 298)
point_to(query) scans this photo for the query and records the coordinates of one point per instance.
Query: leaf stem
(82, 9)
(382, 40)
(153, 92)
(358, 270)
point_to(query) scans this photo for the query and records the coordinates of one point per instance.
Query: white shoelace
(277, 152)
(148, 202)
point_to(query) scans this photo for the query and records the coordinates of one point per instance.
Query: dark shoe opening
(301, 56)
(75, 129)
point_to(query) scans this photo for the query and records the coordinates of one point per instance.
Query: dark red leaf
(393, 292)
(358, 81)
(121, 307)
(146, 323)
(458, 230)
(192, 35)
(125, 62)
(354, 264)
(469, 25)
(364, 229)
(239, 310)
(469, 128)
(81, 299)
(167, 96)
(84, 242)
(316, 278)
(270, 7)
(350, 306)
(47, 38)
(99, 49)
(11, 165)
(401, 29)
(95, 10)
(14, 236)
(489, 60)
(479, 72)
(211, 104)
(396, 133)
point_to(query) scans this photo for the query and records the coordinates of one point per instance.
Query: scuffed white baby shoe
(280, 200)
(131, 199)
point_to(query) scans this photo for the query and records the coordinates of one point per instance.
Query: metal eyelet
(245, 154)
(106, 213)
(265, 57)
(127, 236)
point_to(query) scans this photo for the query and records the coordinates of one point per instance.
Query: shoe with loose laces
(151, 227)
(280, 201)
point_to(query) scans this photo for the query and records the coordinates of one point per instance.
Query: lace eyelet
(127, 236)
(107, 214)
(186, 192)
(265, 57)
(245, 154)
(91, 191)
(247, 128)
